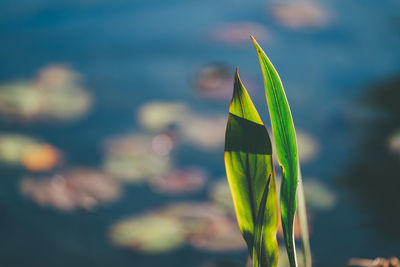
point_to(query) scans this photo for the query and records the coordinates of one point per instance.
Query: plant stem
(301, 203)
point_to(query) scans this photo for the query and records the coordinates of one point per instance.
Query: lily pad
(202, 225)
(318, 195)
(214, 81)
(32, 154)
(378, 262)
(394, 143)
(205, 132)
(56, 93)
(207, 226)
(301, 14)
(133, 159)
(179, 181)
(151, 233)
(309, 147)
(221, 195)
(160, 116)
(71, 190)
(193, 217)
(220, 235)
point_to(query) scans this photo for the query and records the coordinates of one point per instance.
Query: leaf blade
(248, 163)
(286, 147)
(259, 225)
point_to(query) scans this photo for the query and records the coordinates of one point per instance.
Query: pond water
(339, 63)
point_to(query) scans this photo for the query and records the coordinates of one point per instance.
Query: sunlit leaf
(258, 227)
(286, 147)
(249, 162)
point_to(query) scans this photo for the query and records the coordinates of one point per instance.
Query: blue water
(131, 52)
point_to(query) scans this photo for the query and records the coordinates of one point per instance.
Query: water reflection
(373, 174)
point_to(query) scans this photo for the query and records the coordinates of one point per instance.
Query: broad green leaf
(248, 163)
(258, 227)
(286, 147)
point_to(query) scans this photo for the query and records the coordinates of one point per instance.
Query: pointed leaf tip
(237, 78)
(237, 84)
(286, 147)
(248, 163)
(255, 43)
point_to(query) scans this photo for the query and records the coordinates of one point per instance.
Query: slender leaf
(301, 202)
(286, 147)
(248, 163)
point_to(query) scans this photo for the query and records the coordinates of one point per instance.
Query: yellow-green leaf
(248, 163)
(259, 225)
(286, 147)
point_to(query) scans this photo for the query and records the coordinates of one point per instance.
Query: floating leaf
(318, 195)
(56, 93)
(135, 158)
(34, 155)
(148, 233)
(71, 190)
(159, 116)
(248, 163)
(286, 147)
(301, 15)
(179, 181)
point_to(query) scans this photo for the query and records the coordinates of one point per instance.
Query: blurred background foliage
(112, 121)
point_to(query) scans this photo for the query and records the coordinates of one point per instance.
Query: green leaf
(248, 163)
(259, 225)
(286, 147)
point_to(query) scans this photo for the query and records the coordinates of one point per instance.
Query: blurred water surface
(129, 53)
